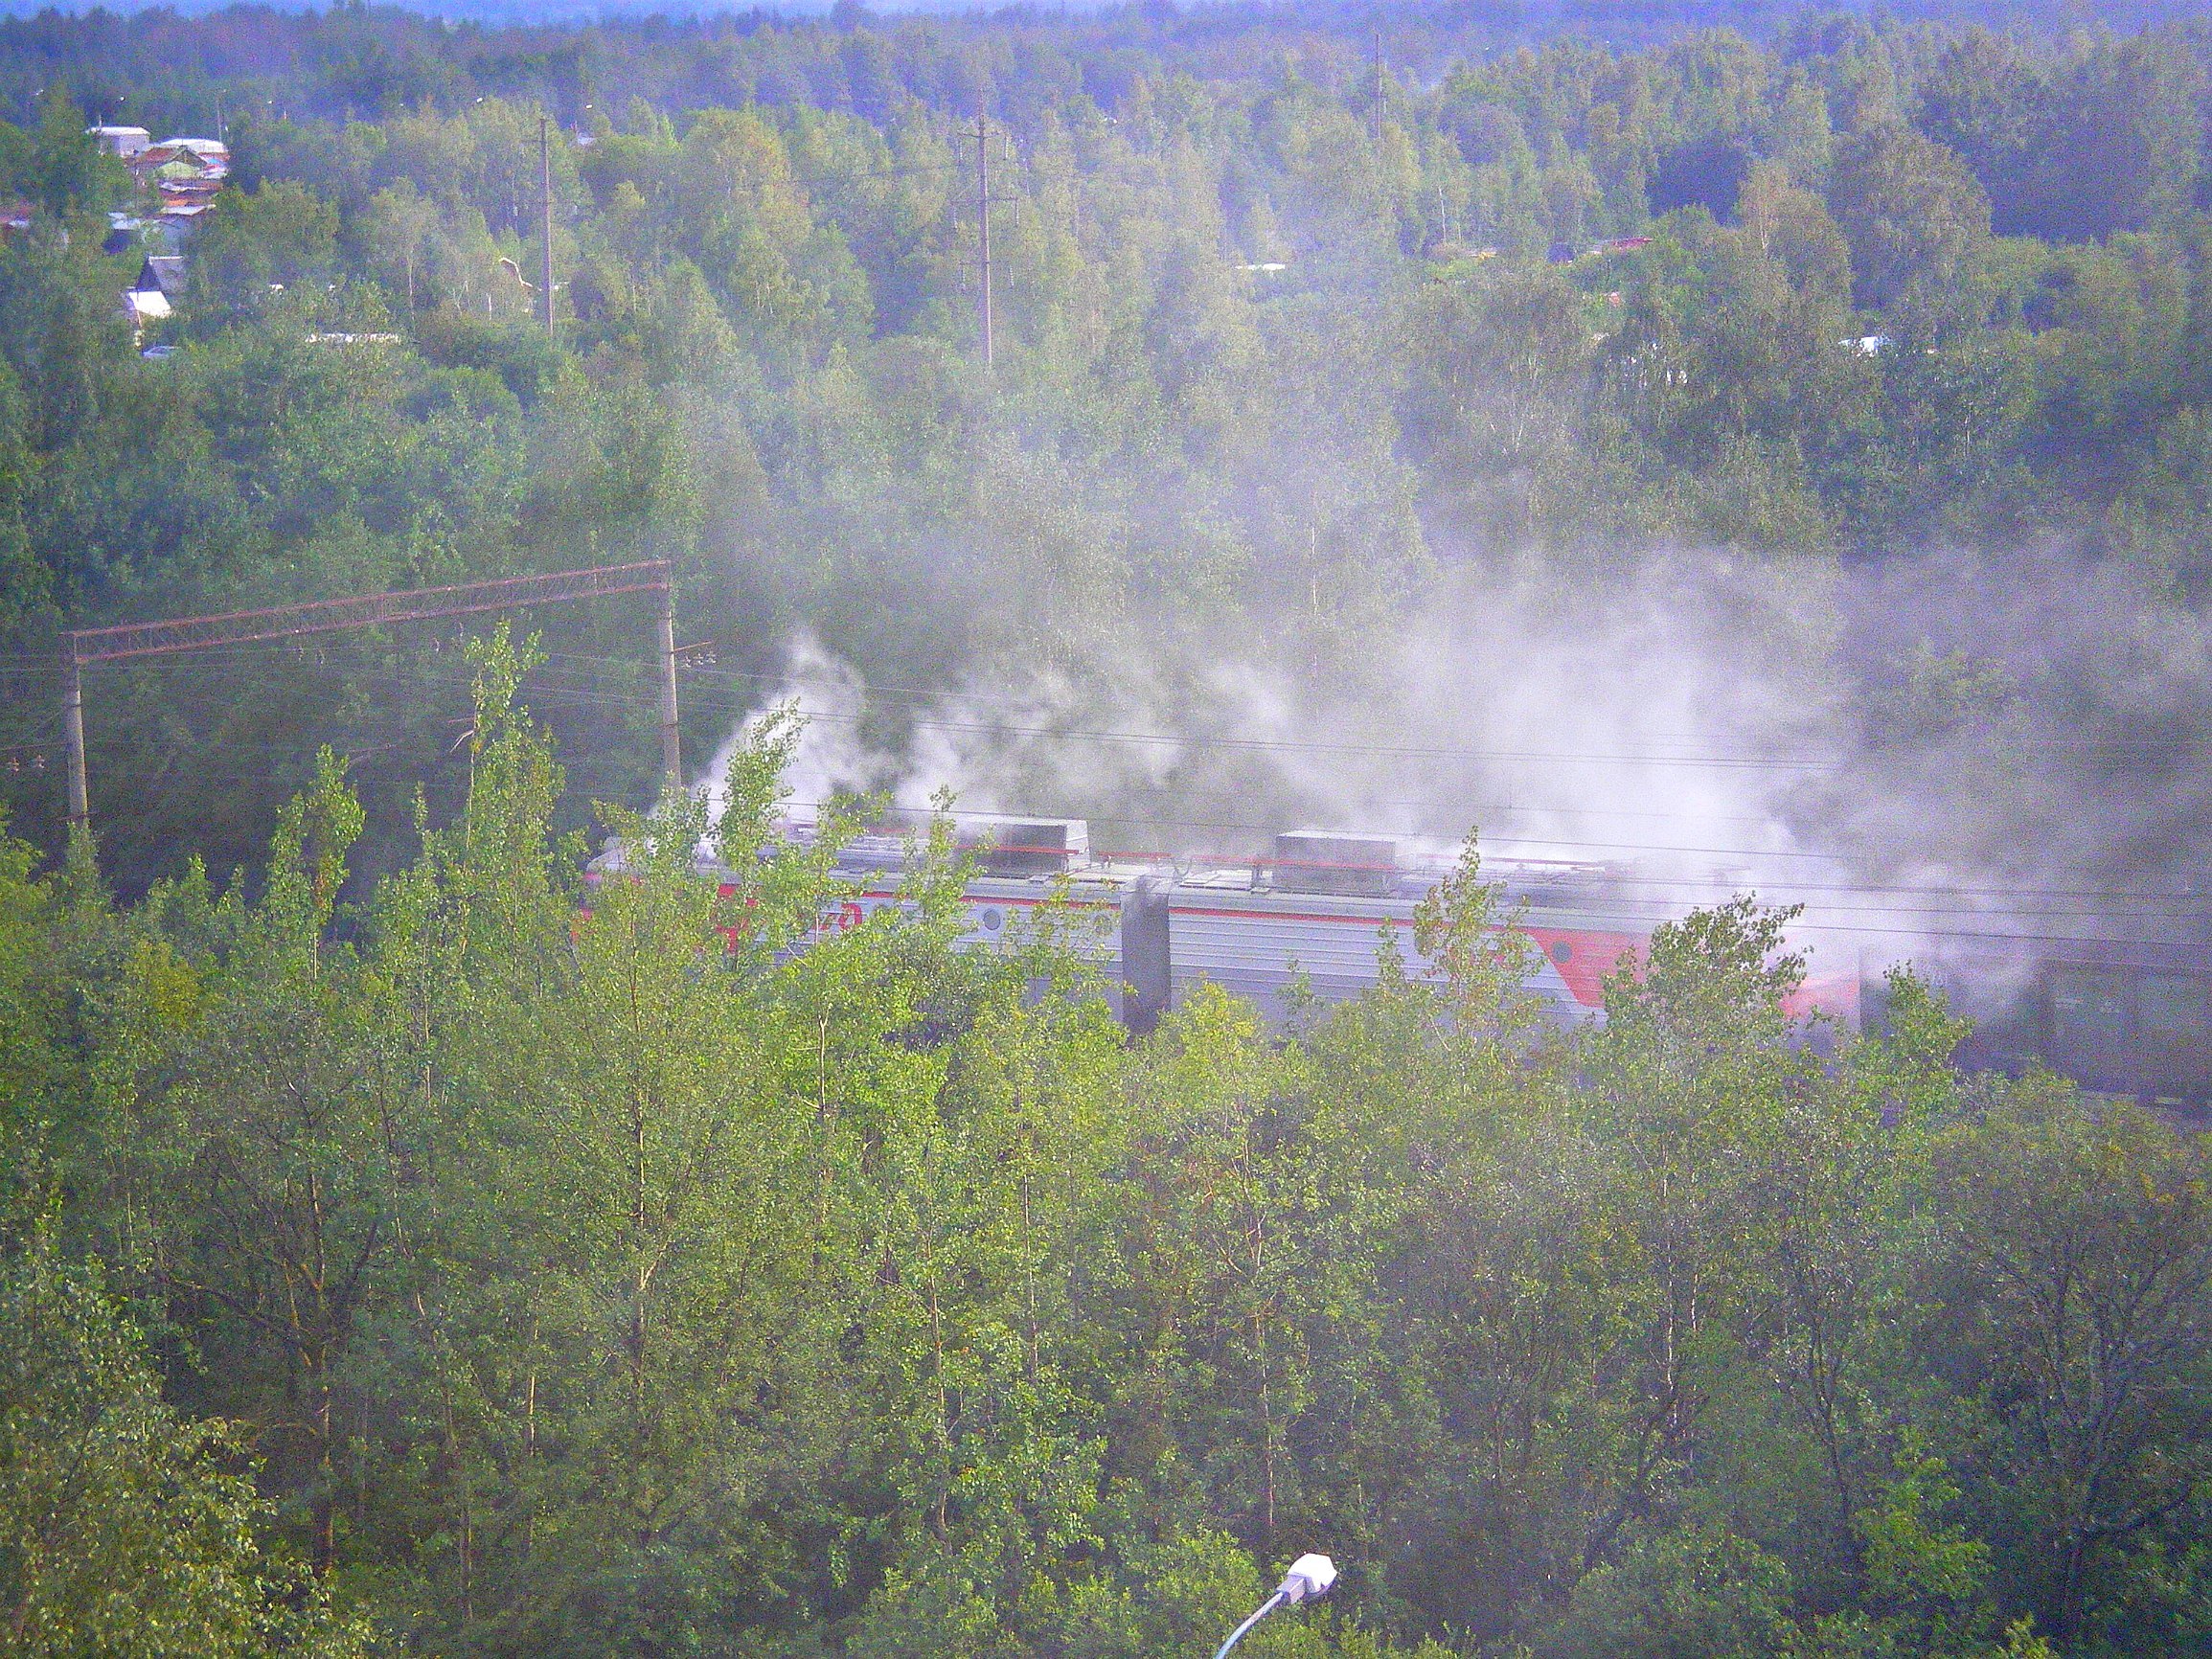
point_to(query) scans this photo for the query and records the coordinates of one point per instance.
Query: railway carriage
(1311, 913)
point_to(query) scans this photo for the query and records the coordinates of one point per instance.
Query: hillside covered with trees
(1273, 364)
(403, 1248)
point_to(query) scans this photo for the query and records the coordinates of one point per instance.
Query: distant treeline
(194, 68)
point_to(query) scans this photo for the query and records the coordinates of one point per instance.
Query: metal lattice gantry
(367, 610)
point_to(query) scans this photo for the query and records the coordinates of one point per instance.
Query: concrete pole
(73, 720)
(545, 207)
(983, 226)
(670, 749)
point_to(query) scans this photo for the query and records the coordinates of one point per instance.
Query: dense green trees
(1266, 368)
(619, 1278)
(1250, 361)
(418, 1248)
(124, 1529)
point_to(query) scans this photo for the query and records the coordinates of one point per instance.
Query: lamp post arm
(1237, 1635)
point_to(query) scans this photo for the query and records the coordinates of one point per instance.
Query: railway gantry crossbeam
(368, 610)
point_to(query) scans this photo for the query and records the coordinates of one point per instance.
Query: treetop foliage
(406, 1244)
(676, 1273)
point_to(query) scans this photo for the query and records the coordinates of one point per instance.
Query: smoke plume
(1937, 758)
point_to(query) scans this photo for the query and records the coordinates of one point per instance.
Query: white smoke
(1700, 724)
(832, 759)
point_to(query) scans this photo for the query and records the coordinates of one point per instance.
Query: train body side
(2138, 1022)
(997, 912)
(2116, 1018)
(2132, 1018)
(1259, 944)
(1155, 941)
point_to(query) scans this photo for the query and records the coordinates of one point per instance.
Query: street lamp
(1309, 1578)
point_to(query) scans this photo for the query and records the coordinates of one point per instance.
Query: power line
(1915, 920)
(86, 645)
(551, 693)
(555, 695)
(894, 695)
(1877, 930)
(875, 691)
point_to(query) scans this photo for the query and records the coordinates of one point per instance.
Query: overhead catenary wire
(1201, 741)
(557, 694)
(935, 696)
(289, 623)
(552, 692)
(884, 693)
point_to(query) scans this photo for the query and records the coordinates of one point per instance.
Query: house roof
(162, 274)
(175, 156)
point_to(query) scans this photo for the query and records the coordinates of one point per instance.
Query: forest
(406, 1249)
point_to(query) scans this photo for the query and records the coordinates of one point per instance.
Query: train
(2119, 1016)
(1304, 920)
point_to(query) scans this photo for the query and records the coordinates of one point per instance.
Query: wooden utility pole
(983, 228)
(545, 207)
(366, 610)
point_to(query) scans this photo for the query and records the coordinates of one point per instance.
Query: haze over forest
(1773, 446)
